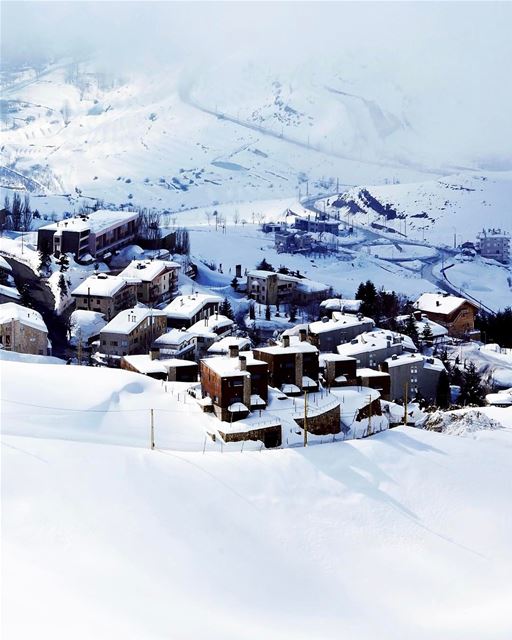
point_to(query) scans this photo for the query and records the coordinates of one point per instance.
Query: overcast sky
(457, 55)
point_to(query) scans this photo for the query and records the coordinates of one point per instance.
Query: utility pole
(370, 416)
(405, 404)
(152, 430)
(79, 347)
(305, 418)
(88, 298)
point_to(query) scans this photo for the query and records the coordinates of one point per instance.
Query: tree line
(18, 213)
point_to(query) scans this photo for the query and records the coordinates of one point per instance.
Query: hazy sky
(456, 56)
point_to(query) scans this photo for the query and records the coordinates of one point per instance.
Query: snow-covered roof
(338, 321)
(311, 286)
(404, 358)
(323, 358)
(187, 306)
(12, 311)
(9, 292)
(298, 347)
(438, 331)
(4, 264)
(222, 346)
(100, 285)
(85, 324)
(373, 341)
(366, 372)
(340, 304)
(145, 364)
(96, 221)
(225, 366)
(147, 270)
(174, 337)
(129, 319)
(439, 303)
(211, 324)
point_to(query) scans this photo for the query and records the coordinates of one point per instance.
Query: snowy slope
(115, 542)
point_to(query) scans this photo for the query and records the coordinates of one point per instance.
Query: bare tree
(236, 216)
(208, 216)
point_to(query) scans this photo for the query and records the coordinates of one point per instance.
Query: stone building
(22, 330)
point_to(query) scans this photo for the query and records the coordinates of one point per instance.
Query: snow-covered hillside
(166, 140)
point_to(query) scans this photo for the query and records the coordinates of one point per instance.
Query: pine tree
(471, 389)
(427, 336)
(234, 283)
(267, 312)
(252, 312)
(63, 287)
(225, 309)
(443, 393)
(409, 329)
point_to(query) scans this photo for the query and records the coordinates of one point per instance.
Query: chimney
(286, 341)
(233, 350)
(243, 363)
(438, 304)
(303, 334)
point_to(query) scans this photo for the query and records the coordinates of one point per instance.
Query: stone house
(23, 330)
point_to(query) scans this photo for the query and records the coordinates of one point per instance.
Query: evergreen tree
(264, 266)
(234, 283)
(471, 389)
(267, 312)
(427, 336)
(63, 286)
(25, 297)
(367, 293)
(293, 313)
(225, 309)
(443, 394)
(409, 329)
(252, 312)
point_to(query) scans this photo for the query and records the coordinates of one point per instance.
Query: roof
(9, 292)
(340, 304)
(129, 319)
(186, 307)
(100, 285)
(145, 364)
(147, 270)
(374, 341)
(299, 347)
(222, 345)
(366, 372)
(334, 357)
(404, 359)
(4, 264)
(211, 324)
(225, 366)
(338, 322)
(12, 311)
(96, 221)
(440, 303)
(173, 337)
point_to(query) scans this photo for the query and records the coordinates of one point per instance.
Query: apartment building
(495, 244)
(105, 294)
(132, 331)
(157, 279)
(411, 375)
(184, 311)
(92, 235)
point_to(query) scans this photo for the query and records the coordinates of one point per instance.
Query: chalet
(184, 311)
(92, 235)
(293, 368)
(132, 331)
(105, 294)
(456, 314)
(157, 279)
(413, 375)
(236, 384)
(23, 330)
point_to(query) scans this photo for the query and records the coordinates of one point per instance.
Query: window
(124, 343)
(113, 343)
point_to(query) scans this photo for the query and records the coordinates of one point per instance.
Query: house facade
(157, 279)
(94, 234)
(413, 375)
(456, 314)
(495, 244)
(132, 331)
(22, 330)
